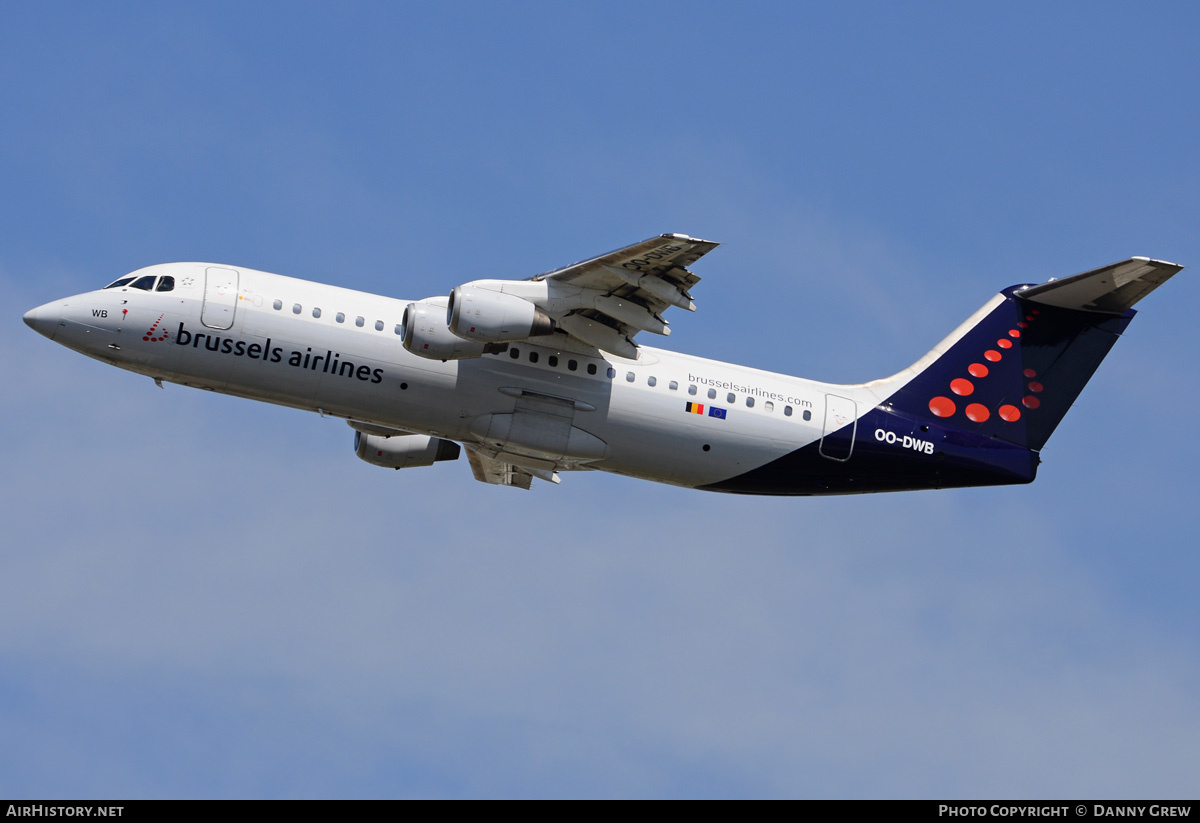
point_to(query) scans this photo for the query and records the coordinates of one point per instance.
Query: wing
(600, 303)
(607, 300)
(1110, 289)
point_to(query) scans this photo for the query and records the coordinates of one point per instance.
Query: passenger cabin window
(749, 402)
(712, 394)
(167, 283)
(514, 353)
(768, 406)
(673, 385)
(316, 312)
(533, 357)
(278, 304)
(787, 411)
(611, 372)
(399, 329)
(591, 368)
(295, 308)
(692, 391)
(629, 377)
(572, 365)
(807, 415)
(553, 361)
(144, 283)
(378, 325)
(652, 381)
(358, 321)
(340, 317)
(731, 397)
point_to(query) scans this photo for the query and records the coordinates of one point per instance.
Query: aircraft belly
(541, 435)
(532, 412)
(653, 436)
(347, 374)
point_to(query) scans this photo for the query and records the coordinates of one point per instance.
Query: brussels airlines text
(328, 363)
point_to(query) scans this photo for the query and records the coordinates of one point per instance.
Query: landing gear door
(220, 298)
(837, 440)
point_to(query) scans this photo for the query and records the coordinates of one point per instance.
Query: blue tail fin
(977, 409)
(1015, 372)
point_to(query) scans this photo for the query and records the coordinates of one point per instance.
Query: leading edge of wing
(661, 252)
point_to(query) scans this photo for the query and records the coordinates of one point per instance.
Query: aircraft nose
(42, 321)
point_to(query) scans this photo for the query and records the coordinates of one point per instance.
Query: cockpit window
(145, 283)
(116, 284)
(166, 283)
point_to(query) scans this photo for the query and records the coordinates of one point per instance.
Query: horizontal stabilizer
(1111, 289)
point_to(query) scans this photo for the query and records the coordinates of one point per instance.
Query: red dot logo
(1029, 373)
(151, 335)
(977, 370)
(977, 413)
(1035, 387)
(1004, 344)
(992, 355)
(942, 406)
(1009, 414)
(1031, 402)
(1014, 332)
(961, 387)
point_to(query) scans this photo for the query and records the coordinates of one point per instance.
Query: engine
(403, 451)
(491, 316)
(424, 332)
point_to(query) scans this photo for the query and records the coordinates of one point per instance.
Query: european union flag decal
(713, 411)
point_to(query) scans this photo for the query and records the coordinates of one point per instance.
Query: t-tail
(1010, 373)
(977, 409)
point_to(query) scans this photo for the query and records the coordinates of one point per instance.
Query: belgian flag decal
(698, 408)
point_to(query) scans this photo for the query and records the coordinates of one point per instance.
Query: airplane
(542, 376)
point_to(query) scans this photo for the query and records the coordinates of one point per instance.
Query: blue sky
(208, 597)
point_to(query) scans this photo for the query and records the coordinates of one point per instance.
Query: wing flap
(1112, 289)
(497, 472)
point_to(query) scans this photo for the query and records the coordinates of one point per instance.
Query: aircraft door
(220, 298)
(837, 439)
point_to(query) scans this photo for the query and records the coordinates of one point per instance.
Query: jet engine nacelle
(424, 332)
(404, 450)
(491, 316)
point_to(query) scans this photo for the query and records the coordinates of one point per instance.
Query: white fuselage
(524, 376)
(339, 352)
